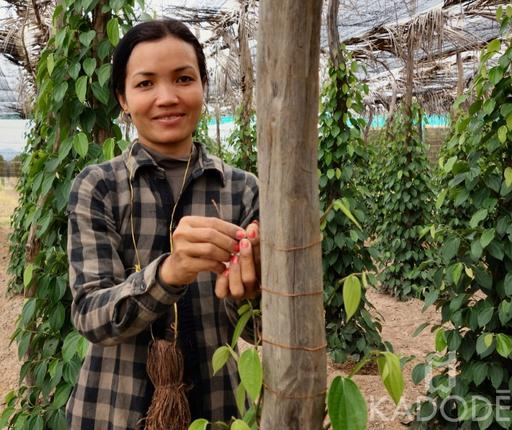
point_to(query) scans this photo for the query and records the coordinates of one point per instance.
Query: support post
(294, 355)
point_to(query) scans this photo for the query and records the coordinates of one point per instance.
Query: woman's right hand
(200, 244)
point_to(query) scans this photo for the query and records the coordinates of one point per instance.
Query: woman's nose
(167, 94)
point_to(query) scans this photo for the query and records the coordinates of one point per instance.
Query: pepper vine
(73, 125)
(242, 144)
(473, 284)
(404, 198)
(201, 135)
(342, 160)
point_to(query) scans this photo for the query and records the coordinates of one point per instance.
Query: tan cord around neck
(171, 247)
(138, 266)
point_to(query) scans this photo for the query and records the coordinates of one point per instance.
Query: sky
(12, 136)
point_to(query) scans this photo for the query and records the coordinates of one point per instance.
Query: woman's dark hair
(146, 32)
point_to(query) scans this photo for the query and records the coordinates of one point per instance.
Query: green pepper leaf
(251, 372)
(351, 295)
(346, 405)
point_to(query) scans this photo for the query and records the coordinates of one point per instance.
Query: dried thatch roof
(437, 34)
(222, 26)
(378, 32)
(24, 31)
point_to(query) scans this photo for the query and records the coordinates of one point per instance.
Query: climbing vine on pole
(404, 205)
(342, 160)
(73, 125)
(242, 143)
(472, 378)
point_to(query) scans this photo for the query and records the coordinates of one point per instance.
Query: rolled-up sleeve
(108, 307)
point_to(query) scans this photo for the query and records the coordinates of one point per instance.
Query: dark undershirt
(175, 168)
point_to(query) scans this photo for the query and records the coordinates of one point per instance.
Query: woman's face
(164, 94)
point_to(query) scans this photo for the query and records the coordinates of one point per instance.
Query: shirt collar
(136, 156)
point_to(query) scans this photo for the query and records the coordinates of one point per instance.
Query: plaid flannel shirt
(114, 306)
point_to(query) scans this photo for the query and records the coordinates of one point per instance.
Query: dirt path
(400, 322)
(10, 308)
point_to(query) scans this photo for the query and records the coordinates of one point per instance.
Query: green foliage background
(473, 284)
(342, 163)
(201, 135)
(403, 205)
(241, 144)
(73, 125)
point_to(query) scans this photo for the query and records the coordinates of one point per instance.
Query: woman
(126, 214)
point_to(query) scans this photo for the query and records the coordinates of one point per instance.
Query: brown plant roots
(169, 407)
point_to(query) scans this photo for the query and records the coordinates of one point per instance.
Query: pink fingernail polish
(244, 244)
(234, 259)
(240, 234)
(252, 234)
(225, 273)
(236, 247)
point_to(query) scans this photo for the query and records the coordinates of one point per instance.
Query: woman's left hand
(242, 279)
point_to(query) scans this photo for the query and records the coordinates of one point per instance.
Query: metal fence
(10, 169)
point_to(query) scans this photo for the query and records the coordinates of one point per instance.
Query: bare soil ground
(400, 321)
(10, 306)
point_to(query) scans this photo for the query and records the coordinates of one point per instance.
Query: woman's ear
(122, 101)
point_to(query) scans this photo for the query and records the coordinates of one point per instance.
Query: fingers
(206, 250)
(253, 234)
(181, 271)
(236, 287)
(247, 268)
(239, 281)
(206, 244)
(222, 285)
(195, 235)
(231, 230)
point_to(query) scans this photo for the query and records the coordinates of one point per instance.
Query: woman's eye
(185, 79)
(143, 84)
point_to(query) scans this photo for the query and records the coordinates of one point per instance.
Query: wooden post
(409, 72)
(246, 83)
(217, 123)
(409, 88)
(333, 36)
(460, 75)
(294, 356)
(337, 56)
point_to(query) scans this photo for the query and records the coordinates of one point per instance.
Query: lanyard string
(171, 229)
(138, 266)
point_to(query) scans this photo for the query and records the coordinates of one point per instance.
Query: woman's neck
(171, 150)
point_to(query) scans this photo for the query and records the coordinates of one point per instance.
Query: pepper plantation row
(390, 220)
